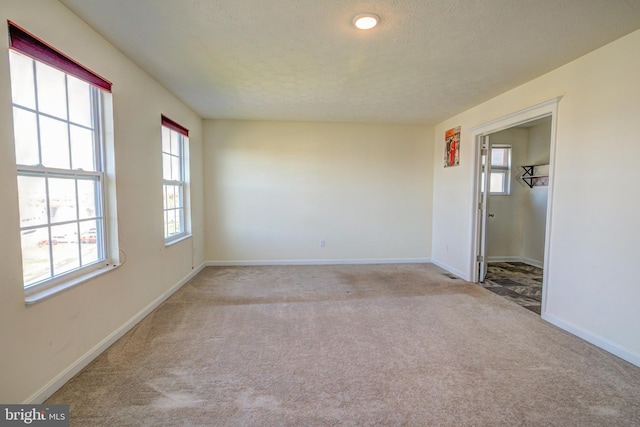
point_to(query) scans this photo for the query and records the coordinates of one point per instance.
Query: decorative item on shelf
(536, 175)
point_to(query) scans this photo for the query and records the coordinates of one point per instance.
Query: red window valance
(28, 44)
(175, 126)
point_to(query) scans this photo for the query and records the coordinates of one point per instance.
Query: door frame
(484, 169)
(534, 112)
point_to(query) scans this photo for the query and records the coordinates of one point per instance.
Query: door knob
(490, 215)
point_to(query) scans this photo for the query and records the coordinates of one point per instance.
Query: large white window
(175, 173)
(57, 118)
(500, 179)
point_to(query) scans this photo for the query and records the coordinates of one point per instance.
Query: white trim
(174, 240)
(542, 109)
(451, 270)
(64, 376)
(533, 262)
(527, 261)
(504, 259)
(596, 340)
(233, 263)
(41, 293)
(517, 117)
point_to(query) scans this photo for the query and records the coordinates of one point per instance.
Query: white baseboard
(604, 344)
(504, 259)
(57, 382)
(233, 263)
(528, 261)
(455, 271)
(533, 262)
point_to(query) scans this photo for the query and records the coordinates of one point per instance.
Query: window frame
(182, 183)
(103, 194)
(503, 170)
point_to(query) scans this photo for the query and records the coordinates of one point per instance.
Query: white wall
(592, 287)
(535, 207)
(275, 189)
(42, 341)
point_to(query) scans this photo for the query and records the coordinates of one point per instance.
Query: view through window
(174, 170)
(499, 181)
(59, 160)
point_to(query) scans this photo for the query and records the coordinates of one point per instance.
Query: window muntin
(174, 180)
(499, 181)
(58, 147)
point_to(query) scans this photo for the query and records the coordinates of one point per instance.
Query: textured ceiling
(303, 59)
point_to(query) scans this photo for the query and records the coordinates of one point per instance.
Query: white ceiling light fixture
(366, 21)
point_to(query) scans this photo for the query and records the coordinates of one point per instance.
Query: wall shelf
(536, 175)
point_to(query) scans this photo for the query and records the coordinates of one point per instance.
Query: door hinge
(483, 152)
(480, 258)
(480, 205)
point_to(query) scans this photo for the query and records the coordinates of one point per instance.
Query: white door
(483, 206)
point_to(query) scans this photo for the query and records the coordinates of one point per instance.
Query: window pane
(499, 157)
(172, 222)
(166, 224)
(22, 89)
(166, 167)
(176, 169)
(82, 149)
(179, 220)
(25, 130)
(172, 195)
(35, 255)
(180, 195)
(52, 94)
(32, 195)
(79, 101)
(66, 255)
(89, 242)
(165, 200)
(497, 184)
(54, 141)
(88, 198)
(62, 199)
(66, 234)
(166, 136)
(175, 143)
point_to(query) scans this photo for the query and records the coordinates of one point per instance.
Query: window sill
(36, 296)
(172, 242)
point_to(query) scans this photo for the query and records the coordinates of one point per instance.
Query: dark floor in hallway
(516, 281)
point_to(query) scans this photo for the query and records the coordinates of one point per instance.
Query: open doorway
(514, 163)
(516, 211)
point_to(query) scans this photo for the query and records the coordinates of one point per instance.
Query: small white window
(175, 173)
(499, 182)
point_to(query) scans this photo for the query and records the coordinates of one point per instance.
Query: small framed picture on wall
(452, 147)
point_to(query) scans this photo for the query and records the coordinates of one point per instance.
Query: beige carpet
(349, 345)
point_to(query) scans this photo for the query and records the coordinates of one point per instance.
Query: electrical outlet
(322, 243)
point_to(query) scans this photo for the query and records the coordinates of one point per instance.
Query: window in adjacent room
(175, 173)
(58, 116)
(499, 182)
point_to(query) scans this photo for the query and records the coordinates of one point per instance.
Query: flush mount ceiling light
(366, 21)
